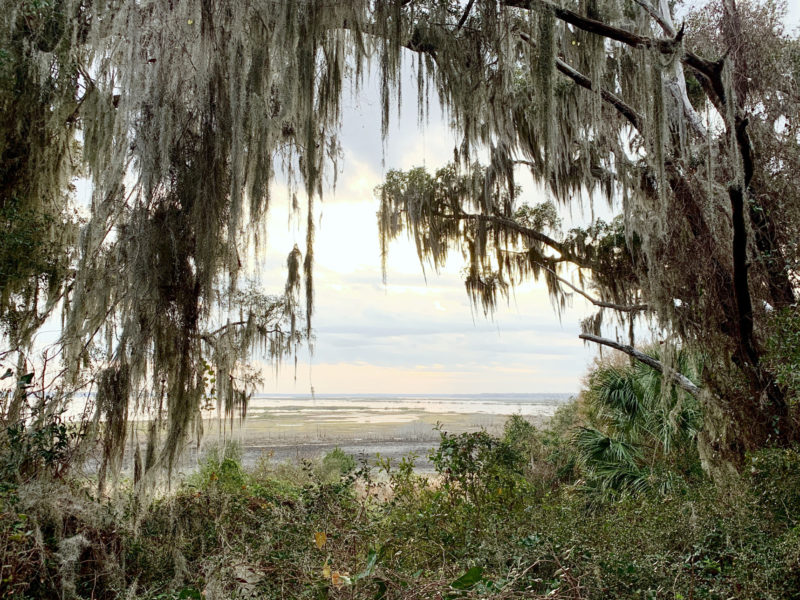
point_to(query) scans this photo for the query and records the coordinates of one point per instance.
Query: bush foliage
(607, 501)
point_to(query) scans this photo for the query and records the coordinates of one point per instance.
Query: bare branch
(630, 308)
(678, 379)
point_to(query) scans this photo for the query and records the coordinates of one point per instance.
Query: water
(391, 425)
(294, 426)
(397, 408)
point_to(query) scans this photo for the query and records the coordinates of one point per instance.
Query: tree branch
(633, 117)
(413, 44)
(527, 232)
(710, 78)
(598, 27)
(630, 308)
(678, 379)
(465, 15)
(209, 336)
(656, 15)
(628, 112)
(664, 45)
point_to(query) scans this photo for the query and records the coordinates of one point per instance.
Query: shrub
(477, 466)
(775, 479)
(335, 464)
(221, 469)
(548, 454)
(783, 350)
(42, 444)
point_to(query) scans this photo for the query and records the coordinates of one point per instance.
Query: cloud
(417, 333)
(364, 378)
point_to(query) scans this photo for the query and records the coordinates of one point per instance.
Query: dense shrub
(282, 531)
(775, 481)
(550, 455)
(783, 350)
(477, 466)
(40, 445)
(335, 464)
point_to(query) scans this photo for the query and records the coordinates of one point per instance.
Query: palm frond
(641, 433)
(595, 447)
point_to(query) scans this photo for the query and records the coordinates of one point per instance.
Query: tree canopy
(181, 112)
(689, 128)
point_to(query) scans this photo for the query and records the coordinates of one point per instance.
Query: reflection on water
(291, 427)
(294, 426)
(400, 408)
(334, 414)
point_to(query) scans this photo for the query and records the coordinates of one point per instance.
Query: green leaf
(26, 379)
(372, 560)
(468, 579)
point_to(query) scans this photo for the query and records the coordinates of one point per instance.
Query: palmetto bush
(640, 435)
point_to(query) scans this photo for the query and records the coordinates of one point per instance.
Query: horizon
(409, 395)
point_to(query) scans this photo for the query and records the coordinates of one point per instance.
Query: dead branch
(678, 379)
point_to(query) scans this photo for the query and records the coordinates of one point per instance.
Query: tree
(185, 110)
(37, 160)
(613, 99)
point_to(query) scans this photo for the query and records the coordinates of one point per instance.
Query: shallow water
(283, 427)
(292, 427)
(534, 404)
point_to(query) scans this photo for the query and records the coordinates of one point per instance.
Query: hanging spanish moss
(606, 112)
(181, 113)
(187, 109)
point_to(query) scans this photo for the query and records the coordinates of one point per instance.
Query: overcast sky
(414, 335)
(793, 15)
(410, 335)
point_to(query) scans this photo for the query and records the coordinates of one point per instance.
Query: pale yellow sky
(411, 335)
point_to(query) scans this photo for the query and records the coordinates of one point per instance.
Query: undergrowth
(607, 501)
(503, 517)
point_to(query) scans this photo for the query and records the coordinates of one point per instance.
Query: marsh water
(288, 427)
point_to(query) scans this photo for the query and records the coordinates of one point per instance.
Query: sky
(418, 333)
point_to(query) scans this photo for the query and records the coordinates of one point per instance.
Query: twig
(631, 308)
